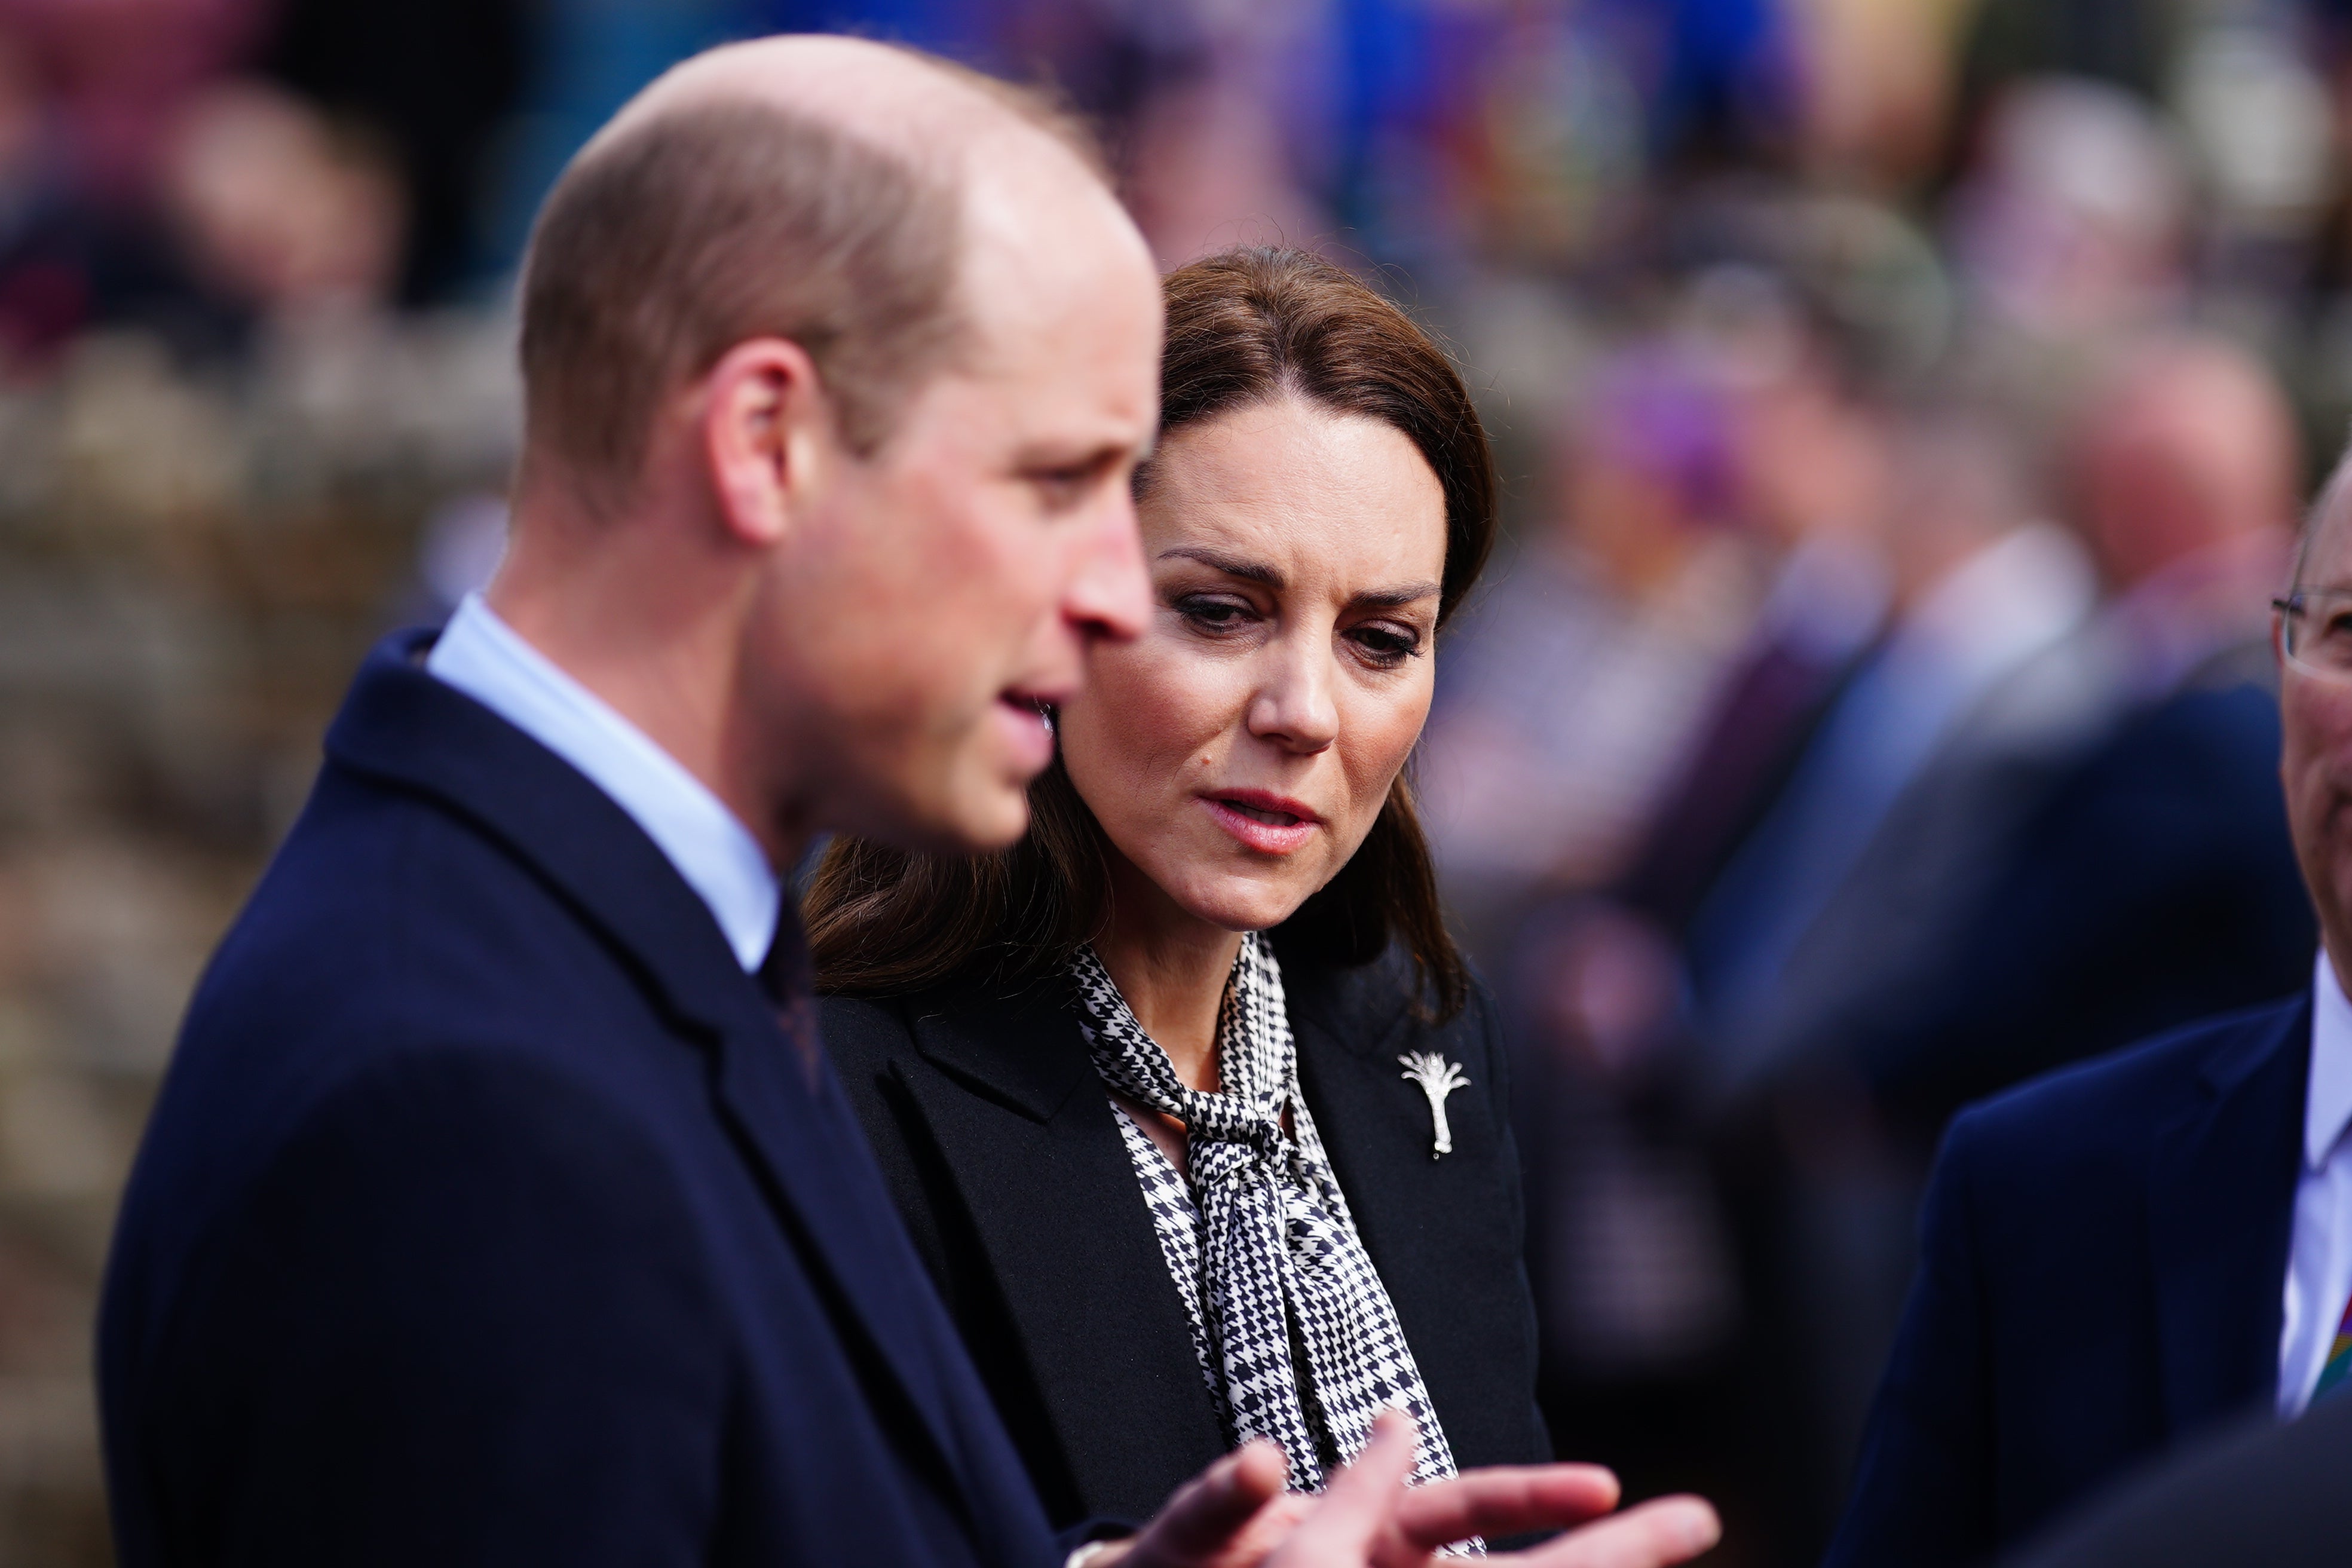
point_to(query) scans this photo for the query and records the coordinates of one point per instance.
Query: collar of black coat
(994, 1039)
(402, 727)
(405, 730)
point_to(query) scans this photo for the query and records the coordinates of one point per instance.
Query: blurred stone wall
(190, 569)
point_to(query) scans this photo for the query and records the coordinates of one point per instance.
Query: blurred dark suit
(2101, 1281)
(2053, 887)
(2158, 884)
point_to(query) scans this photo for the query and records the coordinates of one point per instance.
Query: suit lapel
(1038, 1161)
(404, 727)
(2220, 1219)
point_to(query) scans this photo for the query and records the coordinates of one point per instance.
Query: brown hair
(1244, 327)
(708, 226)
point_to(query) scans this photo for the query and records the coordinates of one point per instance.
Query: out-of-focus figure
(2154, 881)
(2076, 217)
(1572, 689)
(1978, 590)
(2123, 1257)
(282, 211)
(2089, 849)
(437, 82)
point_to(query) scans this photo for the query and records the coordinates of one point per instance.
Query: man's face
(960, 572)
(2316, 762)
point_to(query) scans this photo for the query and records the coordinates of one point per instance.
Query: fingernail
(1699, 1528)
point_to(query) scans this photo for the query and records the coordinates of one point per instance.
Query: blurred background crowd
(1904, 408)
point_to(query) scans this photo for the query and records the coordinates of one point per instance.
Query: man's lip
(1266, 800)
(1037, 697)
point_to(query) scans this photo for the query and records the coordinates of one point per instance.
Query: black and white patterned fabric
(1296, 1334)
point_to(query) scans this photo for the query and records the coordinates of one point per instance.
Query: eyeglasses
(2315, 631)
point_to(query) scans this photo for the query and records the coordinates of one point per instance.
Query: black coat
(999, 1145)
(488, 1217)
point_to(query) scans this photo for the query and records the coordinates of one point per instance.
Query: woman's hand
(1236, 1515)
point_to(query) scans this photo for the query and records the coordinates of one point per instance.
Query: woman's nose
(1295, 706)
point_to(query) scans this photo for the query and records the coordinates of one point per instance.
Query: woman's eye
(1212, 615)
(1388, 645)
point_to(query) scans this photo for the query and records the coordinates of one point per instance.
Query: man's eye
(1062, 489)
(1065, 487)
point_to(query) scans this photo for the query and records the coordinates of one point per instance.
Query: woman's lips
(1259, 822)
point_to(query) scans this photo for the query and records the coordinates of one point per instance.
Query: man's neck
(655, 634)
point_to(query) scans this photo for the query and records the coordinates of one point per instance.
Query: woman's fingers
(1202, 1522)
(1659, 1532)
(1505, 1500)
(1359, 1504)
(1225, 1519)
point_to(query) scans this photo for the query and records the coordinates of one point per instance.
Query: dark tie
(2339, 1358)
(786, 976)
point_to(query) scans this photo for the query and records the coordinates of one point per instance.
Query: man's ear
(768, 435)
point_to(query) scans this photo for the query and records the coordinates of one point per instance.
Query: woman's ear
(768, 437)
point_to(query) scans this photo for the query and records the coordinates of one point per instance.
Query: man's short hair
(712, 224)
(2334, 495)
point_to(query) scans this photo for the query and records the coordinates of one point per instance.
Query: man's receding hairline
(2333, 494)
(863, 218)
(949, 169)
(988, 106)
(632, 130)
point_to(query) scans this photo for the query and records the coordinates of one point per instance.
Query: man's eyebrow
(1231, 565)
(1100, 454)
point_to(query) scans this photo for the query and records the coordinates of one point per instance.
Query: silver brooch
(1438, 1077)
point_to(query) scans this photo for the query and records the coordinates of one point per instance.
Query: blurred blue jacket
(2103, 1258)
(491, 1216)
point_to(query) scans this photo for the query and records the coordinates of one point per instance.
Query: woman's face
(1238, 751)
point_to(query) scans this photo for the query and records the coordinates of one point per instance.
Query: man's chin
(976, 829)
(972, 820)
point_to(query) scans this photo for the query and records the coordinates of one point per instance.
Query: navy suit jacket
(2103, 1256)
(491, 1216)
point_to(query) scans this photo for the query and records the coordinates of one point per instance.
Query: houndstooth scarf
(1295, 1332)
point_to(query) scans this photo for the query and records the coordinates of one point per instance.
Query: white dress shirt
(484, 658)
(2319, 1263)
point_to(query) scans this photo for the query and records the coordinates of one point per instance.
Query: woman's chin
(1242, 906)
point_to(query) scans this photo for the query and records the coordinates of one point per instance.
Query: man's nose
(1110, 592)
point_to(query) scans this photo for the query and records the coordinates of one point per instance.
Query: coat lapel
(2220, 1219)
(404, 727)
(1442, 1232)
(1038, 1161)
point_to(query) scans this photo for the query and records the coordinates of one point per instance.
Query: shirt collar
(2328, 1107)
(488, 660)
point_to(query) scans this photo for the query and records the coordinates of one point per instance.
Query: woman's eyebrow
(1397, 598)
(1231, 565)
